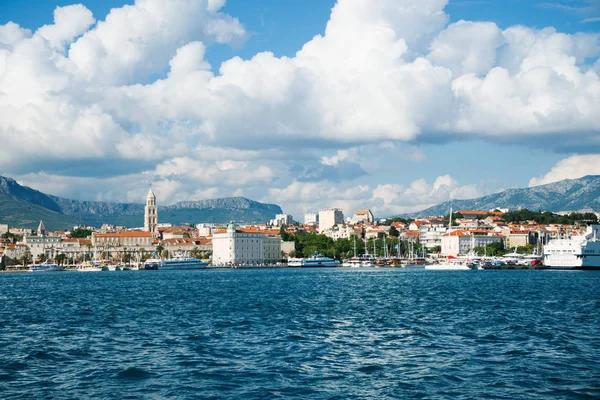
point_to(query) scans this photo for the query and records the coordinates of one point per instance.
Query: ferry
(177, 262)
(45, 267)
(578, 252)
(316, 260)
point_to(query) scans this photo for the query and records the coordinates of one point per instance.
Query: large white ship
(317, 260)
(177, 262)
(578, 252)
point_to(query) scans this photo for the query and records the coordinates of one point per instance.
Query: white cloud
(69, 22)
(572, 167)
(384, 72)
(383, 199)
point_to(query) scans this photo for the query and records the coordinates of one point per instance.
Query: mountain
(24, 206)
(567, 195)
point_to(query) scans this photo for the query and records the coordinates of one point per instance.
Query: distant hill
(567, 195)
(24, 206)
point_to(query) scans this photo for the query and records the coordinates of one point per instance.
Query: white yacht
(45, 267)
(316, 260)
(177, 262)
(452, 264)
(578, 252)
(362, 261)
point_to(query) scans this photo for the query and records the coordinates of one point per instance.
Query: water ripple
(324, 334)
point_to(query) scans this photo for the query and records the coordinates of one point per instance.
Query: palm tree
(60, 258)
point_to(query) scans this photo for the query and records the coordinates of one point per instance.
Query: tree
(159, 249)
(60, 258)
(42, 258)
(285, 236)
(394, 232)
(81, 233)
(435, 249)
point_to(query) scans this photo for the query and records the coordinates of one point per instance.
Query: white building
(342, 232)
(205, 230)
(282, 219)
(461, 242)
(3, 229)
(42, 244)
(329, 218)
(236, 247)
(151, 214)
(363, 216)
(431, 236)
(311, 219)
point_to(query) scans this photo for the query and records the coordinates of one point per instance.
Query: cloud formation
(573, 167)
(384, 71)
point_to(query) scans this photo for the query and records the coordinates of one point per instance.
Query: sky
(392, 105)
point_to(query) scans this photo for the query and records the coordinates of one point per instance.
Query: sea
(300, 333)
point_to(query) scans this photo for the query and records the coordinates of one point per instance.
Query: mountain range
(566, 195)
(23, 206)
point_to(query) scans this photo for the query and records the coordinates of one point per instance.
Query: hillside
(24, 206)
(567, 195)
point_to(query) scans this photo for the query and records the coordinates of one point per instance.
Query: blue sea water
(285, 333)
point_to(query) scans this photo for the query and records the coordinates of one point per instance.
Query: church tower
(151, 214)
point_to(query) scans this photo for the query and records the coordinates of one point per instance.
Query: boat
(45, 267)
(316, 260)
(577, 252)
(177, 262)
(452, 264)
(88, 268)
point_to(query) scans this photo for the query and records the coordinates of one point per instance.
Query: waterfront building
(133, 240)
(431, 235)
(521, 238)
(461, 242)
(237, 246)
(151, 214)
(3, 229)
(311, 219)
(362, 216)
(42, 243)
(328, 218)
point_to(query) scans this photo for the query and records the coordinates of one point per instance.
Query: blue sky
(477, 160)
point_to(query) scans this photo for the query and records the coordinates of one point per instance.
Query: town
(388, 242)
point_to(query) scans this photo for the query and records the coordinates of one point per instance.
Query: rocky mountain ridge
(24, 206)
(566, 195)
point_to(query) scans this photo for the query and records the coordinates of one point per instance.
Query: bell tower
(151, 214)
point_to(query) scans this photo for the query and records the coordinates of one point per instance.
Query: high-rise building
(329, 218)
(311, 218)
(151, 214)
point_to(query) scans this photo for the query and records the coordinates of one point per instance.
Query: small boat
(452, 264)
(88, 268)
(45, 267)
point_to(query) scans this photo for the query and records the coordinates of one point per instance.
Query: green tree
(394, 232)
(60, 258)
(285, 236)
(435, 249)
(81, 233)
(42, 258)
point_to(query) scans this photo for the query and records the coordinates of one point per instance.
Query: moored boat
(178, 262)
(316, 260)
(45, 267)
